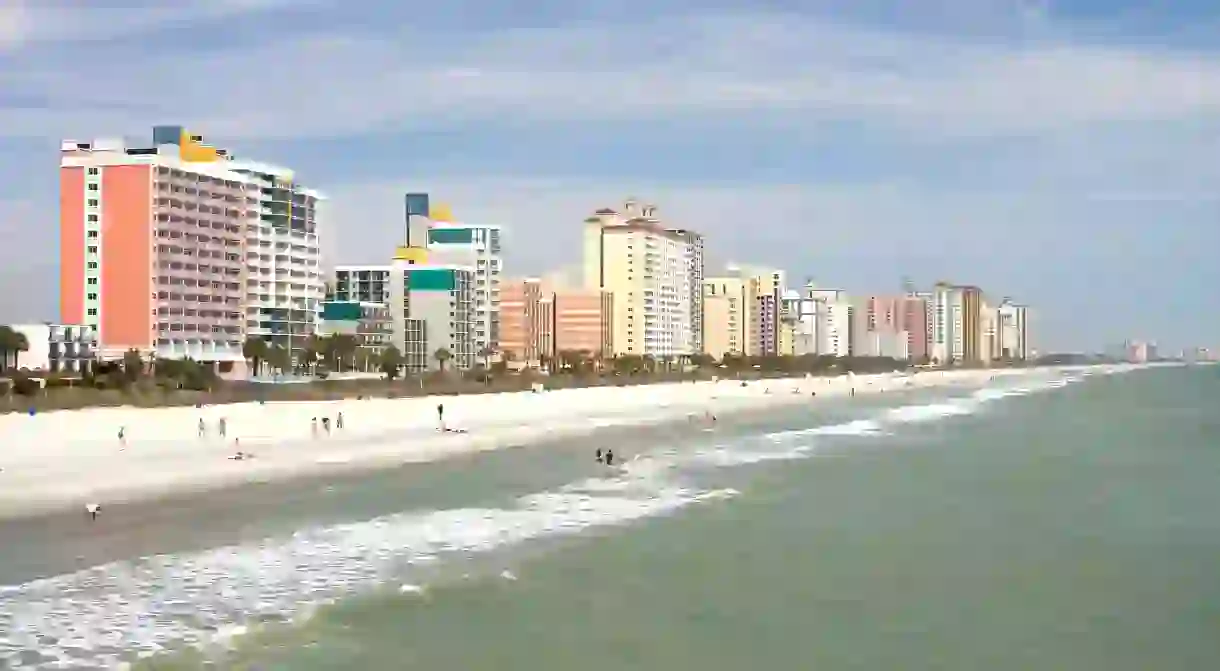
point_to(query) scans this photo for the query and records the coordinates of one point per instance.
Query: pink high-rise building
(538, 321)
(914, 316)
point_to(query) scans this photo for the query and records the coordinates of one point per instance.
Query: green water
(1072, 529)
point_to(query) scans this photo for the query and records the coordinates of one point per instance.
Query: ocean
(1057, 520)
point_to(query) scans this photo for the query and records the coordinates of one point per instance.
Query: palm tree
(278, 358)
(442, 356)
(12, 344)
(254, 350)
(390, 361)
(343, 349)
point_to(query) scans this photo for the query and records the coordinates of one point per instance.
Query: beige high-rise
(648, 270)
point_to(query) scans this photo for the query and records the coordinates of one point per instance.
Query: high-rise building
(764, 289)
(176, 249)
(362, 284)
(647, 269)
(1012, 331)
(914, 313)
(432, 309)
(541, 322)
(694, 276)
(972, 316)
(724, 316)
(477, 246)
(832, 313)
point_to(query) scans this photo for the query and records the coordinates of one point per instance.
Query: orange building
(538, 321)
(176, 250)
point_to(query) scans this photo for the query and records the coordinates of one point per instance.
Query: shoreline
(60, 465)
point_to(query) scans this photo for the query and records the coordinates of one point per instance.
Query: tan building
(972, 324)
(538, 321)
(648, 269)
(724, 316)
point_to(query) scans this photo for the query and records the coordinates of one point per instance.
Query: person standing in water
(92, 509)
(609, 457)
(599, 455)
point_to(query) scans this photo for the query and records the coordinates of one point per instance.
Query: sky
(1063, 153)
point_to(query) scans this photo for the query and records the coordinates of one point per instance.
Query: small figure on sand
(92, 509)
(203, 428)
(339, 421)
(326, 425)
(223, 427)
(440, 415)
(313, 426)
(122, 435)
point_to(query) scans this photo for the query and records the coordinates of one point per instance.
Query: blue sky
(1064, 153)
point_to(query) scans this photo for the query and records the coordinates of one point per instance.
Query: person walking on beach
(223, 427)
(339, 421)
(313, 427)
(203, 428)
(122, 435)
(326, 425)
(440, 415)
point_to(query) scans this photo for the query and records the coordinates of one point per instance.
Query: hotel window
(94, 171)
(92, 312)
(92, 187)
(92, 202)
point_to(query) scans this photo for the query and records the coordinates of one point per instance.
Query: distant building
(648, 270)
(361, 284)
(368, 323)
(432, 309)
(1012, 332)
(477, 246)
(724, 316)
(541, 322)
(57, 348)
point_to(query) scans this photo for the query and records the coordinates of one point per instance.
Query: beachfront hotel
(648, 269)
(432, 308)
(174, 248)
(542, 322)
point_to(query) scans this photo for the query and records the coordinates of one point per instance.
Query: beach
(1041, 518)
(68, 459)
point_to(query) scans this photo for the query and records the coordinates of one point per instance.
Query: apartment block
(57, 348)
(541, 321)
(647, 269)
(176, 249)
(724, 316)
(914, 319)
(831, 313)
(368, 323)
(361, 284)
(432, 308)
(694, 276)
(477, 246)
(1012, 331)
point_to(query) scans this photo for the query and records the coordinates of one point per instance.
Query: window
(92, 312)
(91, 297)
(92, 265)
(92, 249)
(92, 218)
(92, 202)
(93, 234)
(94, 171)
(92, 187)
(91, 280)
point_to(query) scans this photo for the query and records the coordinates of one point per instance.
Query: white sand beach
(69, 458)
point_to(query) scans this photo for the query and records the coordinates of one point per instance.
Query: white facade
(1012, 331)
(448, 243)
(831, 321)
(947, 343)
(66, 348)
(362, 283)
(284, 282)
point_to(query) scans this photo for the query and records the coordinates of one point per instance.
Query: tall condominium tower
(176, 249)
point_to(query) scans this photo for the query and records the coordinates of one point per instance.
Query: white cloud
(812, 69)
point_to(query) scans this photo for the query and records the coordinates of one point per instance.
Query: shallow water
(933, 529)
